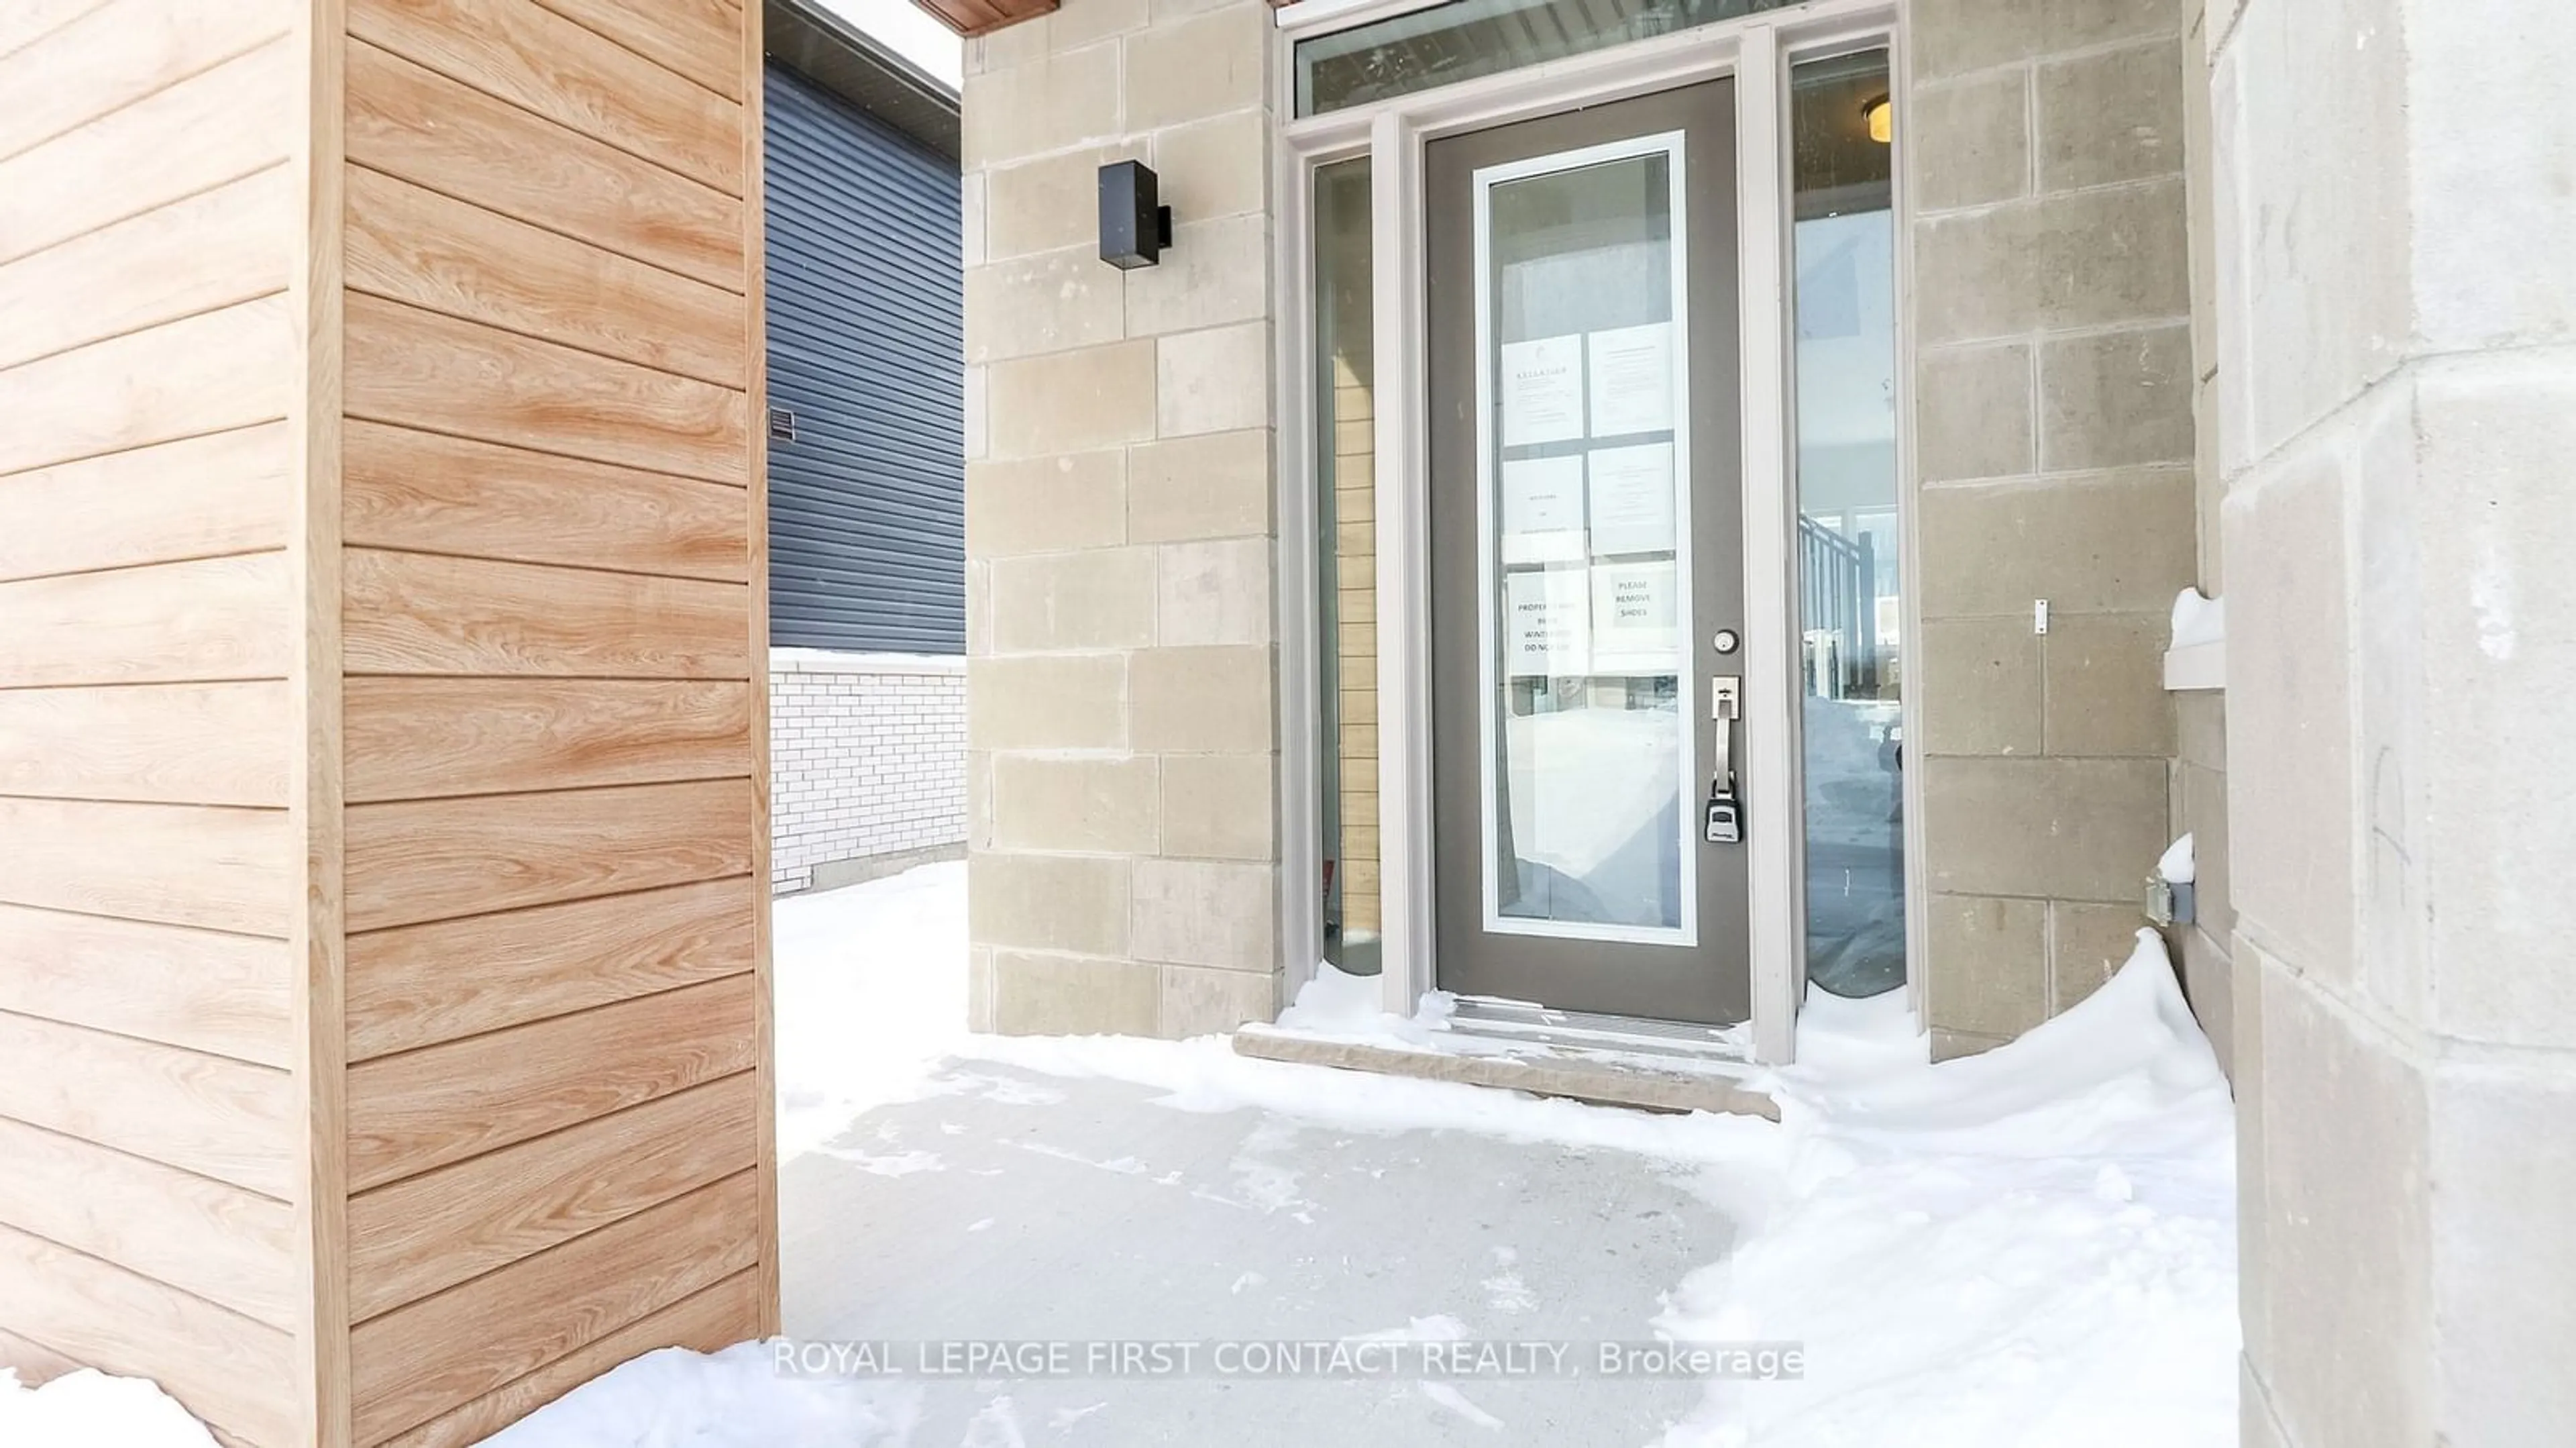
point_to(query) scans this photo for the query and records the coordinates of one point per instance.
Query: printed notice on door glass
(1545, 622)
(1542, 386)
(1543, 510)
(1632, 379)
(1632, 498)
(1636, 618)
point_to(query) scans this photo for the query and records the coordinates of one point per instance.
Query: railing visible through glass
(1469, 38)
(1346, 568)
(1850, 585)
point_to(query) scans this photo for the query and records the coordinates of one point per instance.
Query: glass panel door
(1584, 527)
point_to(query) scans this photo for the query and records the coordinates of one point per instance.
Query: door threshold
(1599, 1077)
(1501, 1019)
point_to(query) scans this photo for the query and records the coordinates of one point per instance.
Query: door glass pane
(1848, 554)
(1585, 521)
(1468, 38)
(1346, 566)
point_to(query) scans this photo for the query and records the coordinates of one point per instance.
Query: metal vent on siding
(866, 367)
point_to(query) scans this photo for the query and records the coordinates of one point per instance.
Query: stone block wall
(2396, 379)
(867, 759)
(2054, 443)
(1122, 727)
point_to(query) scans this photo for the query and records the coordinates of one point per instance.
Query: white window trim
(1392, 133)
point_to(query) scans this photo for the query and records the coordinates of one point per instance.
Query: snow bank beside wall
(868, 764)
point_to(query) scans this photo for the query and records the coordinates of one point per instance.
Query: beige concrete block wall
(2396, 386)
(1122, 734)
(2054, 447)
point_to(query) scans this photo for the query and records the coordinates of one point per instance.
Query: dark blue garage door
(866, 382)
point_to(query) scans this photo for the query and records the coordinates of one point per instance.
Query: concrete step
(1575, 1077)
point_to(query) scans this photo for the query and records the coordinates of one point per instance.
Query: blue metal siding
(867, 532)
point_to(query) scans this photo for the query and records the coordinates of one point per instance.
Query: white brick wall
(867, 757)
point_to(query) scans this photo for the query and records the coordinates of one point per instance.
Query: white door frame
(1756, 51)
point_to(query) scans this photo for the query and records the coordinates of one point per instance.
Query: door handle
(1725, 812)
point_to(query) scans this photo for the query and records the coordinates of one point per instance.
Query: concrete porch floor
(1018, 1206)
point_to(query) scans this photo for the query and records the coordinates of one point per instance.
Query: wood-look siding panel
(442, 1104)
(710, 1319)
(199, 497)
(435, 1230)
(206, 373)
(422, 984)
(231, 1247)
(227, 995)
(429, 738)
(416, 246)
(426, 613)
(420, 369)
(427, 129)
(166, 743)
(447, 858)
(118, 54)
(415, 1363)
(699, 39)
(215, 867)
(229, 245)
(206, 130)
(24, 22)
(231, 1371)
(523, 53)
(205, 1114)
(430, 493)
(208, 620)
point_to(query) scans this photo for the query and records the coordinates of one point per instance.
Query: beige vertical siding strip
(172, 743)
(208, 251)
(206, 620)
(232, 1247)
(756, 352)
(200, 133)
(225, 995)
(214, 867)
(520, 52)
(118, 54)
(225, 1368)
(198, 497)
(204, 1114)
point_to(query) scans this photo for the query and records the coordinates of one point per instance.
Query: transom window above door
(1464, 39)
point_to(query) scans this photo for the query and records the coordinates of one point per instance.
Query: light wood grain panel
(755, 210)
(431, 614)
(180, 864)
(523, 53)
(705, 1321)
(211, 250)
(218, 370)
(431, 493)
(416, 246)
(172, 743)
(410, 1365)
(231, 1247)
(435, 1230)
(211, 619)
(198, 497)
(205, 1114)
(24, 22)
(206, 130)
(422, 984)
(496, 155)
(221, 994)
(426, 1108)
(444, 859)
(699, 39)
(426, 613)
(223, 1367)
(420, 369)
(118, 54)
(427, 738)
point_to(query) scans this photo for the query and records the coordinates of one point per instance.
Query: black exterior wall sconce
(1134, 225)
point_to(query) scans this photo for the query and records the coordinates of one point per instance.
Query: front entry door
(1586, 558)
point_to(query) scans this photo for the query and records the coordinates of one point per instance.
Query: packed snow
(2177, 865)
(2033, 1247)
(2198, 619)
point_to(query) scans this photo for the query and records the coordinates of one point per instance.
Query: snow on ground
(871, 994)
(87, 1410)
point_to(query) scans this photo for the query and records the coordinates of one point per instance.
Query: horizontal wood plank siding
(419, 985)
(420, 613)
(149, 875)
(424, 738)
(699, 39)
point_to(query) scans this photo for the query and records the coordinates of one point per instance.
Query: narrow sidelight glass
(1346, 567)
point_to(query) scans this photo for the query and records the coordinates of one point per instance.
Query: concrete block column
(1122, 741)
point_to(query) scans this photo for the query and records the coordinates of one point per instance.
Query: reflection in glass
(1582, 478)
(1468, 38)
(1848, 555)
(1346, 567)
